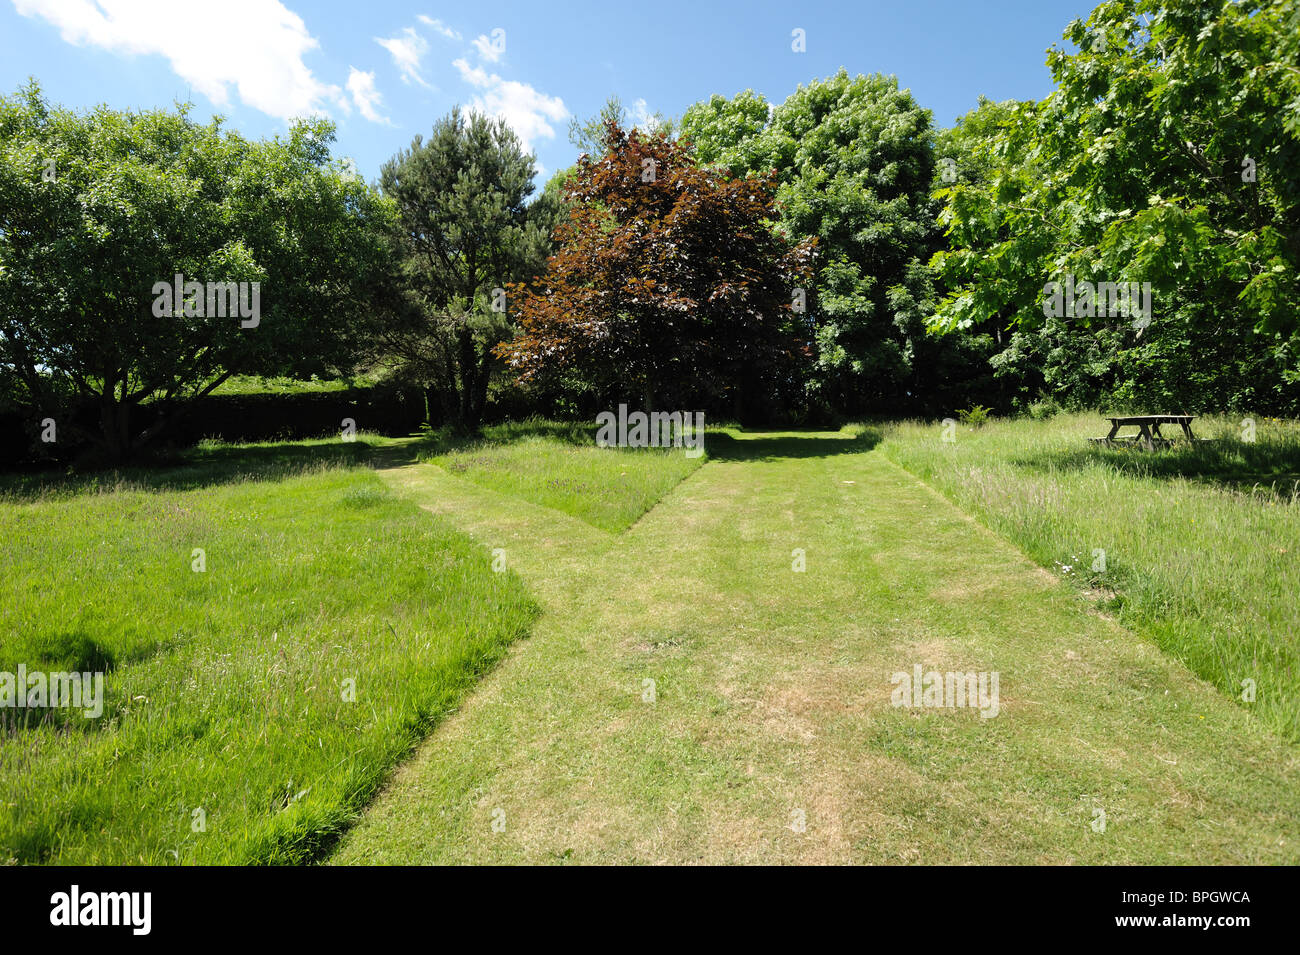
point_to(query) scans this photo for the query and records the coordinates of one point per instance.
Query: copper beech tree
(669, 283)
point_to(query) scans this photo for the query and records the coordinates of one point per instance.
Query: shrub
(1043, 409)
(976, 416)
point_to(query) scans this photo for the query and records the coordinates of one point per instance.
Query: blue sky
(384, 70)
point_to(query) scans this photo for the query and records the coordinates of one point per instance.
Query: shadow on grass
(445, 441)
(212, 465)
(208, 466)
(720, 445)
(724, 447)
(1223, 462)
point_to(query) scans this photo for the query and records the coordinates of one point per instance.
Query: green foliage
(1138, 168)
(1043, 409)
(729, 132)
(464, 230)
(975, 416)
(590, 136)
(972, 144)
(854, 162)
(97, 207)
(251, 385)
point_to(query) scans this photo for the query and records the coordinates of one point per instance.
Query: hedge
(267, 416)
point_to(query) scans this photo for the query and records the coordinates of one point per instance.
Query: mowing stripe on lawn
(769, 734)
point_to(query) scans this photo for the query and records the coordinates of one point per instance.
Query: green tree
(968, 156)
(972, 143)
(854, 160)
(99, 209)
(589, 135)
(1169, 154)
(465, 231)
(729, 132)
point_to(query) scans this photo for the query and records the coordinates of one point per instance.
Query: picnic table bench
(1148, 426)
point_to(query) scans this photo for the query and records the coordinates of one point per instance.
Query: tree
(668, 283)
(854, 162)
(464, 234)
(101, 210)
(964, 366)
(589, 135)
(729, 132)
(1168, 153)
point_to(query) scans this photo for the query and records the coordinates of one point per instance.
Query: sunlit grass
(559, 466)
(228, 734)
(771, 692)
(1202, 543)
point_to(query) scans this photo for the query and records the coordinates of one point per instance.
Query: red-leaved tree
(669, 284)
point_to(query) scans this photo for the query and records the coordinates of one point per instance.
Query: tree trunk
(114, 426)
(467, 419)
(436, 413)
(479, 397)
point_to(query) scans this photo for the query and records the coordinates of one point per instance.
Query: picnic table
(1148, 426)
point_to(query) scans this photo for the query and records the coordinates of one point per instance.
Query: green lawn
(226, 688)
(252, 385)
(688, 696)
(1202, 544)
(559, 466)
(707, 676)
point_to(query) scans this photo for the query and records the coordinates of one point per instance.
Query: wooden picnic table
(1148, 426)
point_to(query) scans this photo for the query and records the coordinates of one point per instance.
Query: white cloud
(368, 99)
(407, 50)
(491, 48)
(256, 46)
(641, 118)
(528, 112)
(440, 27)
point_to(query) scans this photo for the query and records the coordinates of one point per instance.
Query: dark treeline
(1131, 241)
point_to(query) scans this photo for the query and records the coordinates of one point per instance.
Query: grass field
(559, 466)
(249, 385)
(226, 688)
(689, 696)
(1201, 544)
(707, 674)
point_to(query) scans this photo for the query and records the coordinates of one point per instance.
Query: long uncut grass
(252, 709)
(1201, 543)
(558, 465)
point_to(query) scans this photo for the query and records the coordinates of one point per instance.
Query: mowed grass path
(771, 702)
